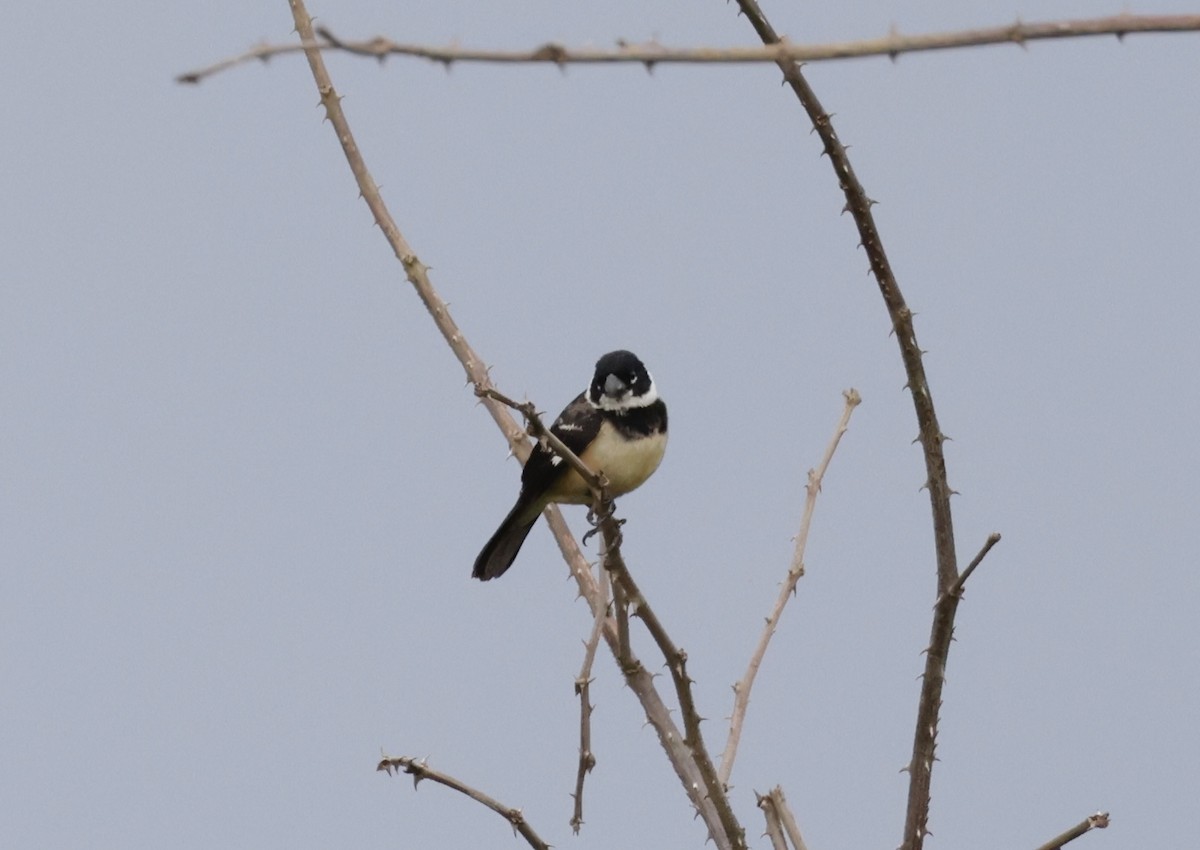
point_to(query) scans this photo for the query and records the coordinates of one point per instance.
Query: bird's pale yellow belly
(625, 463)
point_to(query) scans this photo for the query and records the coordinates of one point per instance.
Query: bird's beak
(614, 387)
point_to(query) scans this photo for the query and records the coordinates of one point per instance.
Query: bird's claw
(596, 519)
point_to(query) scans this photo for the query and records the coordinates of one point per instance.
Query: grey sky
(242, 482)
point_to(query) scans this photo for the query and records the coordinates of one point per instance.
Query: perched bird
(617, 426)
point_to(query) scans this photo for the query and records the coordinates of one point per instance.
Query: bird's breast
(626, 461)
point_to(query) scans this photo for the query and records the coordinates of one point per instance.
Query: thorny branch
(787, 589)
(780, 820)
(774, 823)
(652, 53)
(930, 434)
(583, 683)
(789, 820)
(419, 770)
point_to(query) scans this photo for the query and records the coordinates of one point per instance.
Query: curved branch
(419, 770)
(930, 436)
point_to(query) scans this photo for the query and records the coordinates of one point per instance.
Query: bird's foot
(596, 520)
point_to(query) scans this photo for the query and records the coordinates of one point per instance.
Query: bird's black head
(621, 383)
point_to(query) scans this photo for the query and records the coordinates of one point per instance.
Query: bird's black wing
(576, 426)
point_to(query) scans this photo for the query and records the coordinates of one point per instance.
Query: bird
(617, 426)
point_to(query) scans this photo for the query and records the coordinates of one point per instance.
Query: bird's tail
(499, 552)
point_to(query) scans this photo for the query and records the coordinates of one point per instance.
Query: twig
(621, 612)
(1096, 821)
(774, 824)
(419, 770)
(780, 820)
(789, 820)
(652, 53)
(920, 767)
(930, 433)
(741, 688)
(956, 589)
(583, 682)
(636, 676)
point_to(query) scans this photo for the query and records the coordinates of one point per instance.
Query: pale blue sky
(242, 482)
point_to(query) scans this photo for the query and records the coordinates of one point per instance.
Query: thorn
(550, 52)
(1017, 36)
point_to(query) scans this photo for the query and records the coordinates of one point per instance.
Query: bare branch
(621, 612)
(789, 820)
(681, 756)
(774, 824)
(652, 53)
(930, 432)
(419, 770)
(1096, 821)
(583, 682)
(780, 820)
(636, 676)
(414, 269)
(787, 589)
(925, 739)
